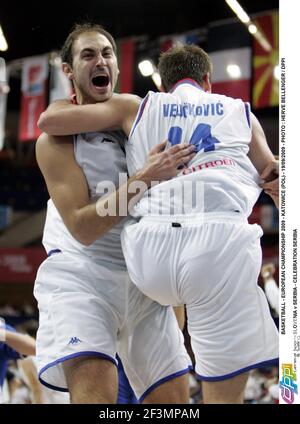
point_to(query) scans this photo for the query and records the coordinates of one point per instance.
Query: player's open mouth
(100, 81)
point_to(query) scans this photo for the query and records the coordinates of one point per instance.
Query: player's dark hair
(183, 61)
(77, 30)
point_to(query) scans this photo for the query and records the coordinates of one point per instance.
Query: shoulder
(152, 99)
(129, 99)
(156, 95)
(49, 148)
(46, 141)
(231, 103)
(235, 102)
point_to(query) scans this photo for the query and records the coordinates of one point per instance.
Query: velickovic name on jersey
(188, 109)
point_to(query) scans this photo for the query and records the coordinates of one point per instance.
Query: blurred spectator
(262, 386)
(254, 387)
(270, 286)
(18, 392)
(38, 393)
(12, 346)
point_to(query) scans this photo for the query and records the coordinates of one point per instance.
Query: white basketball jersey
(220, 177)
(101, 157)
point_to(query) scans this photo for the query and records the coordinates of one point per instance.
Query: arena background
(142, 29)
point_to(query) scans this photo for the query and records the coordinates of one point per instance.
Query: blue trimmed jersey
(102, 159)
(220, 177)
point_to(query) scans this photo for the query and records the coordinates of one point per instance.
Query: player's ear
(67, 70)
(207, 83)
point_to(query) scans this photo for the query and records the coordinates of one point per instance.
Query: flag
(229, 47)
(184, 38)
(126, 61)
(3, 99)
(60, 85)
(33, 102)
(266, 85)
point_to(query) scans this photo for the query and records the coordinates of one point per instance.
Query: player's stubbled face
(95, 67)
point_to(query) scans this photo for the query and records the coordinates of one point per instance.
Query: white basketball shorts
(210, 263)
(89, 308)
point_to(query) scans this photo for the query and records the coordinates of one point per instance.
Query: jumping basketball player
(88, 307)
(200, 253)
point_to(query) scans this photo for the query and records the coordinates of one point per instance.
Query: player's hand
(270, 182)
(163, 164)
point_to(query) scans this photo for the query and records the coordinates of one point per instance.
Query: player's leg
(177, 389)
(76, 340)
(229, 322)
(153, 353)
(226, 391)
(91, 380)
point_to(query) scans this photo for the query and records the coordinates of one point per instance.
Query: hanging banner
(126, 61)
(3, 98)
(229, 47)
(60, 85)
(266, 85)
(20, 265)
(33, 102)
(232, 73)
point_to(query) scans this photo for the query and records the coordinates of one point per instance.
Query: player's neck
(81, 99)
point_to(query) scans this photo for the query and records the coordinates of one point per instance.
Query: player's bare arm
(264, 160)
(260, 153)
(68, 188)
(271, 184)
(64, 118)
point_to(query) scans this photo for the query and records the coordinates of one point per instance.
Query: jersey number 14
(201, 137)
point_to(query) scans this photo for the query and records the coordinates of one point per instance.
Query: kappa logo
(74, 341)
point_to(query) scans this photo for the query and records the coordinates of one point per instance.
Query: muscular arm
(68, 188)
(263, 160)
(64, 118)
(260, 153)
